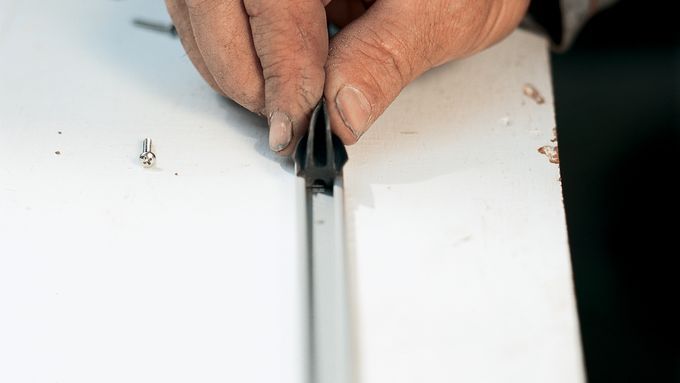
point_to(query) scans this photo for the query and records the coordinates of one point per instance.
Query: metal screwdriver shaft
(155, 26)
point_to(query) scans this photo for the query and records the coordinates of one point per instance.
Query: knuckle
(301, 89)
(310, 88)
(275, 65)
(388, 69)
(392, 53)
(279, 37)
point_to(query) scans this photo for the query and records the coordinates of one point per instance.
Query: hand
(273, 56)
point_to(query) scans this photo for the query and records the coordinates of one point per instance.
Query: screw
(147, 157)
(155, 26)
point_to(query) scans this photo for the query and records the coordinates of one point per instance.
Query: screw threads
(146, 146)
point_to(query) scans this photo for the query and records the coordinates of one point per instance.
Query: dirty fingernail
(354, 108)
(280, 131)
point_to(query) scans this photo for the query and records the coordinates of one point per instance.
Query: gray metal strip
(329, 320)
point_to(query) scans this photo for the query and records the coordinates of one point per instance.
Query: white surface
(461, 253)
(110, 272)
(114, 273)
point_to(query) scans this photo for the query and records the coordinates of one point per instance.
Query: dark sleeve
(561, 20)
(546, 13)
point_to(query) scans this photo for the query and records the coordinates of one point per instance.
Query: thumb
(395, 41)
(291, 41)
(370, 61)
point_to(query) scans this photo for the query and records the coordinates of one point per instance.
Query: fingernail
(280, 131)
(354, 108)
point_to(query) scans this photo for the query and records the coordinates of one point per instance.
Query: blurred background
(617, 92)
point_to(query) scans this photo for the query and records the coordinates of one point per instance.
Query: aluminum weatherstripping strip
(319, 160)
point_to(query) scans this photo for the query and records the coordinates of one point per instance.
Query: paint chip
(533, 93)
(552, 152)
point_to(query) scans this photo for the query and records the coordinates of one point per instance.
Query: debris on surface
(176, 174)
(504, 121)
(533, 93)
(57, 152)
(552, 152)
(59, 132)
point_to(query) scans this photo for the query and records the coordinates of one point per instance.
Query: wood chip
(533, 93)
(552, 152)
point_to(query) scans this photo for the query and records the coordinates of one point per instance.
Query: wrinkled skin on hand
(273, 57)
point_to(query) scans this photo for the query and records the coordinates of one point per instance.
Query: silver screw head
(147, 157)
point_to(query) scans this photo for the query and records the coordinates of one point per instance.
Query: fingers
(287, 46)
(369, 62)
(269, 55)
(179, 13)
(373, 58)
(223, 37)
(291, 41)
